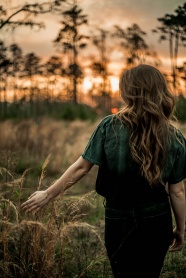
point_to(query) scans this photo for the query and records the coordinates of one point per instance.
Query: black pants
(137, 240)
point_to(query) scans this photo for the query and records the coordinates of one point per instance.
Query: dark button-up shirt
(119, 179)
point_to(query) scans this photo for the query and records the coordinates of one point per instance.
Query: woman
(139, 153)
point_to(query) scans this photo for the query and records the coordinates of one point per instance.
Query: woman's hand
(36, 201)
(72, 175)
(178, 241)
(177, 199)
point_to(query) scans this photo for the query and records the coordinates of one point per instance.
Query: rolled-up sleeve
(178, 172)
(94, 151)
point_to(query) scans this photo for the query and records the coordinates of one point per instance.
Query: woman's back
(119, 178)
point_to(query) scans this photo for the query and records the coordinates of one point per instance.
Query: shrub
(181, 108)
(57, 110)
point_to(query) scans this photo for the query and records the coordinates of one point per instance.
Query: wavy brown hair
(148, 111)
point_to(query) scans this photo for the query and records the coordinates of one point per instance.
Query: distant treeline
(30, 87)
(67, 110)
(27, 76)
(56, 110)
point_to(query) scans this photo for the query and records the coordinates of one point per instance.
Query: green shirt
(119, 180)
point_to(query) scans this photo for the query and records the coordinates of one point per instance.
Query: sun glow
(114, 80)
(88, 83)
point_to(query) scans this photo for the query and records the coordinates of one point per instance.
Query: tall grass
(66, 238)
(54, 243)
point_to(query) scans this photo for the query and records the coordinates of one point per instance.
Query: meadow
(66, 238)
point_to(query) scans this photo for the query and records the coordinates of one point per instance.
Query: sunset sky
(102, 13)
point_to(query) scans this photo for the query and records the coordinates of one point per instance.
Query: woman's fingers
(36, 198)
(34, 207)
(176, 246)
(32, 195)
(28, 205)
(29, 201)
(178, 241)
(35, 202)
(31, 208)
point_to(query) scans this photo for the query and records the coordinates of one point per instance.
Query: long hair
(148, 111)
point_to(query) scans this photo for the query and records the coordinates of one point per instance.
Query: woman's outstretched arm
(177, 199)
(72, 175)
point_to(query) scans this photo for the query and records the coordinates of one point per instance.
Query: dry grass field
(30, 143)
(66, 238)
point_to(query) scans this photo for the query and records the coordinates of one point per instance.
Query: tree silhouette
(16, 67)
(31, 65)
(173, 29)
(100, 64)
(71, 41)
(26, 13)
(32, 69)
(182, 71)
(5, 64)
(52, 68)
(134, 46)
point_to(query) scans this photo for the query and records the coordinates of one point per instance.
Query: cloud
(105, 14)
(144, 12)
(124, 13)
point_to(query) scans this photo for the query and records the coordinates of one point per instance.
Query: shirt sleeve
(178, 172)
(94, 151)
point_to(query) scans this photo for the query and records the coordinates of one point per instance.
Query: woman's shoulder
(104, 122)
(110, 120)
(112, 127)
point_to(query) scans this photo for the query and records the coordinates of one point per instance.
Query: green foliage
(71, 111)
(56, 110)
(175, 265)
(181, 108)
